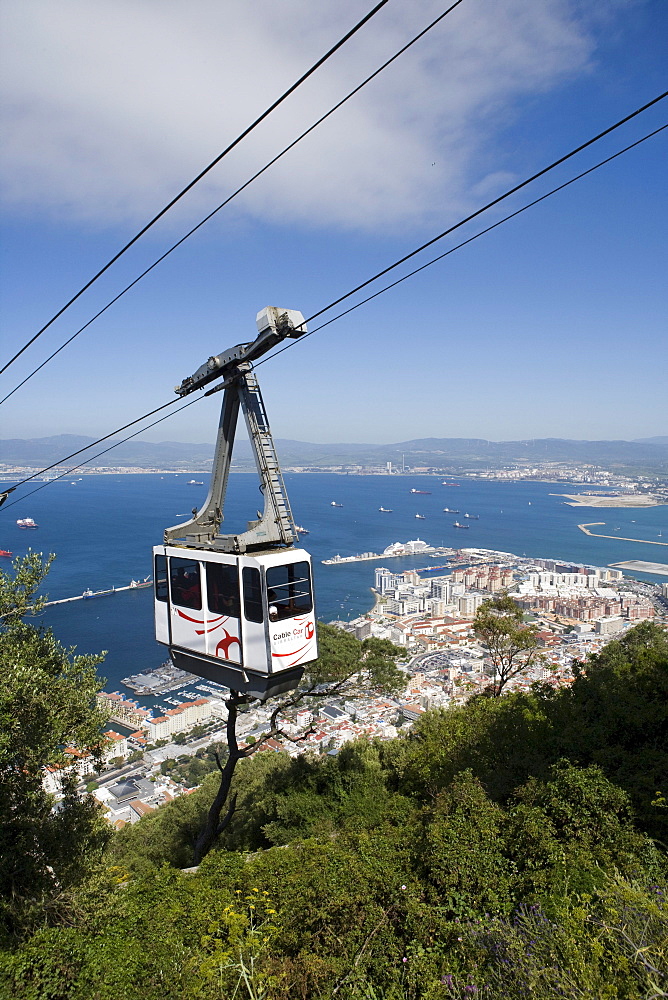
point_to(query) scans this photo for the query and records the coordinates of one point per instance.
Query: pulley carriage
(238, 609)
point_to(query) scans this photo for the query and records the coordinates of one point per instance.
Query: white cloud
(111, 106)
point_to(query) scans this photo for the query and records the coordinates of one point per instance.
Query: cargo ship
(27, 522)
(6, 553)
(426, 493)
(458, 525)
(138, 584)
(88, 594)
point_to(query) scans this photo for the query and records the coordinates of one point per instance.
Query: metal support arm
(275, 526)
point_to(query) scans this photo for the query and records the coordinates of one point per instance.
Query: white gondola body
(243, 621)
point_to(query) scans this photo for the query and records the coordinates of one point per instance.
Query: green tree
(511, 645)
(47, 702)
(344, 666)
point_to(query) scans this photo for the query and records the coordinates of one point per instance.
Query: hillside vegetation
(514, 847)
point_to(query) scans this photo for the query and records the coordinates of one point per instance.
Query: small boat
(426, 493)
(450, 510)
(88, 594)
(335, 504)
(421, 516)
(6, 553)
(385, 510)
(27, 522)
(301, 531)
(458, 525)
(138, 584)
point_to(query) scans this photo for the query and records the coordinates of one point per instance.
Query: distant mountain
(440, 453)
(144, 454)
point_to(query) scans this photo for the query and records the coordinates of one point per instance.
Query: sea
(102, 529)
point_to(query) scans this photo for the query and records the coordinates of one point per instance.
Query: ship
(421, 516)
(426, 493)
(335, 504)
(6, 553)
(138, 584)
(450, 484)
(450, 510)
(88, 594)
(301, 531)
(27, 522)
(473, 517)
(458, 525)
(385, 510)
(194, 482)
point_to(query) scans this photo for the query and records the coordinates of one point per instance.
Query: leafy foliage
(512, 646)
(46, 702)
(497, 850)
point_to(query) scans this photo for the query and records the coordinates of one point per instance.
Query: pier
(620, 538)
(142, 585)
(367, 556)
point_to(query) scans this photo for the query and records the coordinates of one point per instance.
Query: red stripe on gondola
(292, 652)
(200, 621)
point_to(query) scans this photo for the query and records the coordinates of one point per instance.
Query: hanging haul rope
(238, 608)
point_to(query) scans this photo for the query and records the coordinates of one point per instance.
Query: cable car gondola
(239, 609)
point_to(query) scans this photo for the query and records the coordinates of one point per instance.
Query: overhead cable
(116, 444)
(435, 260)
(80, 451)
(200, 175)
(490, 204)
(357, 305)
(234, 194)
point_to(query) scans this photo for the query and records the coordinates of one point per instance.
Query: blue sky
(551, 326)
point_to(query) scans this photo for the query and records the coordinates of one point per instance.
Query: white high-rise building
(386, 580)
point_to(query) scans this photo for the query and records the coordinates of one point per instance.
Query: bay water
(102, 529)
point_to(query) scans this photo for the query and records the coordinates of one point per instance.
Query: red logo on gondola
(225, 644)
(308, 631)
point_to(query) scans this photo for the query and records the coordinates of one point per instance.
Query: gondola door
(187, 614)
(223, 610)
